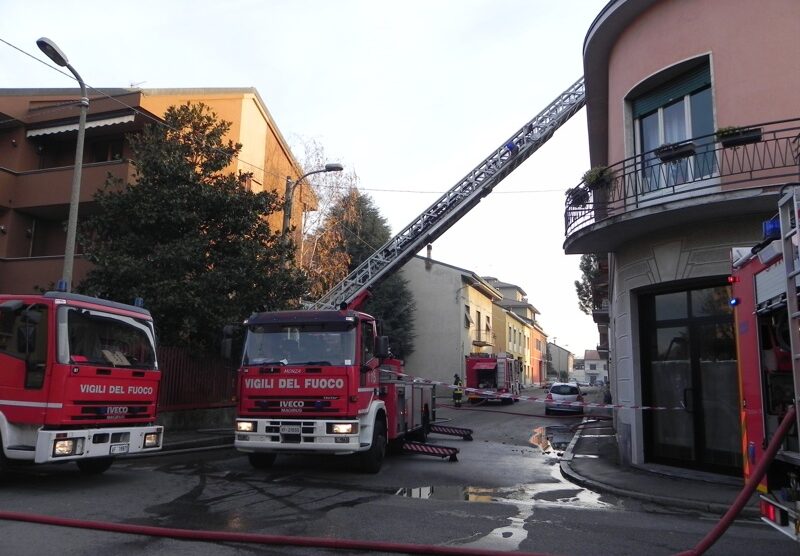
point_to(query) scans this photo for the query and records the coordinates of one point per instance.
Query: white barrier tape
(493, 394)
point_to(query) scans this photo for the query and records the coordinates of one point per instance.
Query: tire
(3, 459)
(372, 460)
(94, 466)
(261, 460)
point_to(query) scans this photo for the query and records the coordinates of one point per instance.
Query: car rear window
(564, 389)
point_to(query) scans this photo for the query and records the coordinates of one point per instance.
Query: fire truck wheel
(94, 466)
(3, 460)
(261, 460)
(372, 459)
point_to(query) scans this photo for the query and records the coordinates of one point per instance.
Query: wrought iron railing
(483, 337)
(698, 166)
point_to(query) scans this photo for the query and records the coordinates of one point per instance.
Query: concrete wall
(668, 256)
(441, 339)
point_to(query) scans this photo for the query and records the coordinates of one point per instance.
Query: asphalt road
(503, 494)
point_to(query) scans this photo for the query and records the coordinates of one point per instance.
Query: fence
(191, 380)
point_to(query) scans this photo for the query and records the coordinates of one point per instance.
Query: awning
(74, 127)
(484, 365)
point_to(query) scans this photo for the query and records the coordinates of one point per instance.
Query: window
(592, 366)
(367, 342)
(673, 112)
(105, 150)
(23, 336)
(467, 318)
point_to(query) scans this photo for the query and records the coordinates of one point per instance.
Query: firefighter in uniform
(458, 391)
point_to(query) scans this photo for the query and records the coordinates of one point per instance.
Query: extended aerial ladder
(456, 202)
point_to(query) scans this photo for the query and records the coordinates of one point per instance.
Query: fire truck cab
(78, 380)
(316, 382)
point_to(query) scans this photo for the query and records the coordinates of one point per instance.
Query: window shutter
(687, 83)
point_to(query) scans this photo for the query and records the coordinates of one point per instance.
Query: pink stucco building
(663, 78)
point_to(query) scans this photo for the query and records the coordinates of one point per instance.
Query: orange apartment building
(38, 134)
(662, 78)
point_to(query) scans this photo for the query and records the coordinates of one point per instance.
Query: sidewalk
(592, 460)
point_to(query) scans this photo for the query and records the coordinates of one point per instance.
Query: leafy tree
(187, 236)
(586, 287)
(360, 231)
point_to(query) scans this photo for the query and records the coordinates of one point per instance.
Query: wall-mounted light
(13, 142)
(2, 229)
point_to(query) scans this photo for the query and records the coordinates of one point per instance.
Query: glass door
(689, 368)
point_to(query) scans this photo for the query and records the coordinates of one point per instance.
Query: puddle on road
(552, 440)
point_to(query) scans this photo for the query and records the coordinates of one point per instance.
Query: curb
(666, 501)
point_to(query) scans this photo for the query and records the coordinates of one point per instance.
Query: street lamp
(288, 197)
(58, 57)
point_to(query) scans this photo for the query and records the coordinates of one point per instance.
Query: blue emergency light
(771, 228)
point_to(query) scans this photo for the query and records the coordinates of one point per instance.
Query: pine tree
(361, 230)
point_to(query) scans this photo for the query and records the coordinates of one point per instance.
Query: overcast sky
(410, 95)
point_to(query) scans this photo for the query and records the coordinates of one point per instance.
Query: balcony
(483, 338)
(40, 190)
(702, 177)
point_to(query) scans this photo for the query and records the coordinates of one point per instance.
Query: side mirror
(226, 347)
(230, 333)
(26, 339)
(382, 347)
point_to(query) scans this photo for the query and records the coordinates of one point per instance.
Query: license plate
(290, 429)
(119, 449)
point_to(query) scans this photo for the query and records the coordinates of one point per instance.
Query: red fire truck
(78, 381)
(768, 337)
(492, 377)
(322, 380)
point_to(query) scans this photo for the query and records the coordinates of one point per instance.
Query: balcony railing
(483, 338)
(699, 166)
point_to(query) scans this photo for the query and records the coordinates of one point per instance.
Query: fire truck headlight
(342, 428)
(245, 426)
(68, 447)
(151, 440)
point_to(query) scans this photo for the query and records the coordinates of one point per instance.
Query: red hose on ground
(747, 491)
(275, 540)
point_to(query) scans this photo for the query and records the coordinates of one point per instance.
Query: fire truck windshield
(99, 338)
(311, 344)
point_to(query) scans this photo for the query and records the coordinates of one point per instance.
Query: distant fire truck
(322, 380)
(492, 377)
(78, 380)
(764, 295)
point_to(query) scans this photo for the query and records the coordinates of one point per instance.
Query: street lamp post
(57, 56)
(288, 198)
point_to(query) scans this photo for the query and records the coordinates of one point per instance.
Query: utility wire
(159, 122)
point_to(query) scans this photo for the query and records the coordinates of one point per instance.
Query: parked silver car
(560, 396)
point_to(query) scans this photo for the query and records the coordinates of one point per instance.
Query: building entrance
(688, 353)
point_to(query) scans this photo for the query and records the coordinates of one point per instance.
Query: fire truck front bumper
(298, 436)
(70, 445)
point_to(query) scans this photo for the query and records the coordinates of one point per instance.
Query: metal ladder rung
(792, 274)
(790, 233)
(796, 315)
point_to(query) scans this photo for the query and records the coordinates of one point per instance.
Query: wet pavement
(587, 457)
